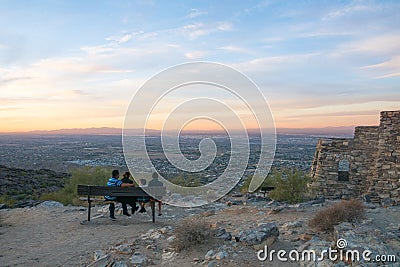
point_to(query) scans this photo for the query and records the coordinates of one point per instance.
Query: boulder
(264, 234)
(221, 233)
(120, 263)
(50, 204)
(101, 262)
(221, 255)
(138, 259)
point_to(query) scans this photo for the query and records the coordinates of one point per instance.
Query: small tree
(290, 185)
(83, 175)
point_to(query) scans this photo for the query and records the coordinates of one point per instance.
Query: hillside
(21, 186)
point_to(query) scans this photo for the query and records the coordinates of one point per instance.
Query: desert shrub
(188, 180)
(83, 175)
(345, 211)
(244, 188)
(8, 200)
(290, 185)
(191, 232)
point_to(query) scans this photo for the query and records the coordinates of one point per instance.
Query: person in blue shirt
(114, 181)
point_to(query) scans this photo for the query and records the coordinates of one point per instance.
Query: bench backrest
(96, 190)
(267, 188)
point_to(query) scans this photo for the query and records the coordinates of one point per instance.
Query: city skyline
(77, 65)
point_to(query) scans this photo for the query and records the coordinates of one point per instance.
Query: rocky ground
(53, 235)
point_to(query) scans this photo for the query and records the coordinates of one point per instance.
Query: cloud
(194, 13)
(377, 44)
(348, 10)
(234, 48)
(390, 67)
(198, 29)
(14, 79)
(195, 55)
(121, 38)
(264, 64)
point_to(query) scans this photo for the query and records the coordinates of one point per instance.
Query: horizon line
(342, 130)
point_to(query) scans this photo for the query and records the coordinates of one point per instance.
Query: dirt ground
(60, 236)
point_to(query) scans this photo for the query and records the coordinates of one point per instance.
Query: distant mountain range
(326, 131)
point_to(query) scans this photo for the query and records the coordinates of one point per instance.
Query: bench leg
(153, 210)
(89, 208)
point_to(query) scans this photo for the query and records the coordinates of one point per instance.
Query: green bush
(290, 185)
(8, 200)
(83, 175)
(189, 180)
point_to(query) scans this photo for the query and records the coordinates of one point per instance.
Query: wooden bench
(112, 191)
(266, 189)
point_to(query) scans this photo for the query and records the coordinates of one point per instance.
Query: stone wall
(324, 170)
(373, 156)
(386, 179)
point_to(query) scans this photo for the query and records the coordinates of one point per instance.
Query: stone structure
(367, 164)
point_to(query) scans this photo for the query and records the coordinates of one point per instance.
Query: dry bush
(191, 232)
(345, 211)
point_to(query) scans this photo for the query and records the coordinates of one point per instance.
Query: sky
(77, 64)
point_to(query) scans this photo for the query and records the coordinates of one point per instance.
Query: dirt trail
(41, 236)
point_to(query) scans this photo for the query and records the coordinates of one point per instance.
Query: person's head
(126, 174)
(115, 173)
(155, 175)
(142, 181)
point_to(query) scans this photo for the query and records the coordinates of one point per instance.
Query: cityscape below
(65, 152)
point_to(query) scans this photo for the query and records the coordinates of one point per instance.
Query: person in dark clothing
(155, 182)
(143, 199)
(114, 181)
(128, 200)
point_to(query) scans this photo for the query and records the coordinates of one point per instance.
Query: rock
(276, 210)
(208, 213)
(168, 257)
(221, 255)
(221, 233)
(3, 206)
(120, 263)
(387, 202)
(363, 237)
(264, 234)
(123, 249)
(151, 234)
(171, 238)
(291, 225)
(101, 262)
(305, 237)
(50, 204)
(196, 259)
(366, 198)
(98, 254)
(165, 229)
(138, 258)
(371, 205)
(209, 255)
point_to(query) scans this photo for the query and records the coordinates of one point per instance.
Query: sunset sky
(77, 64)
